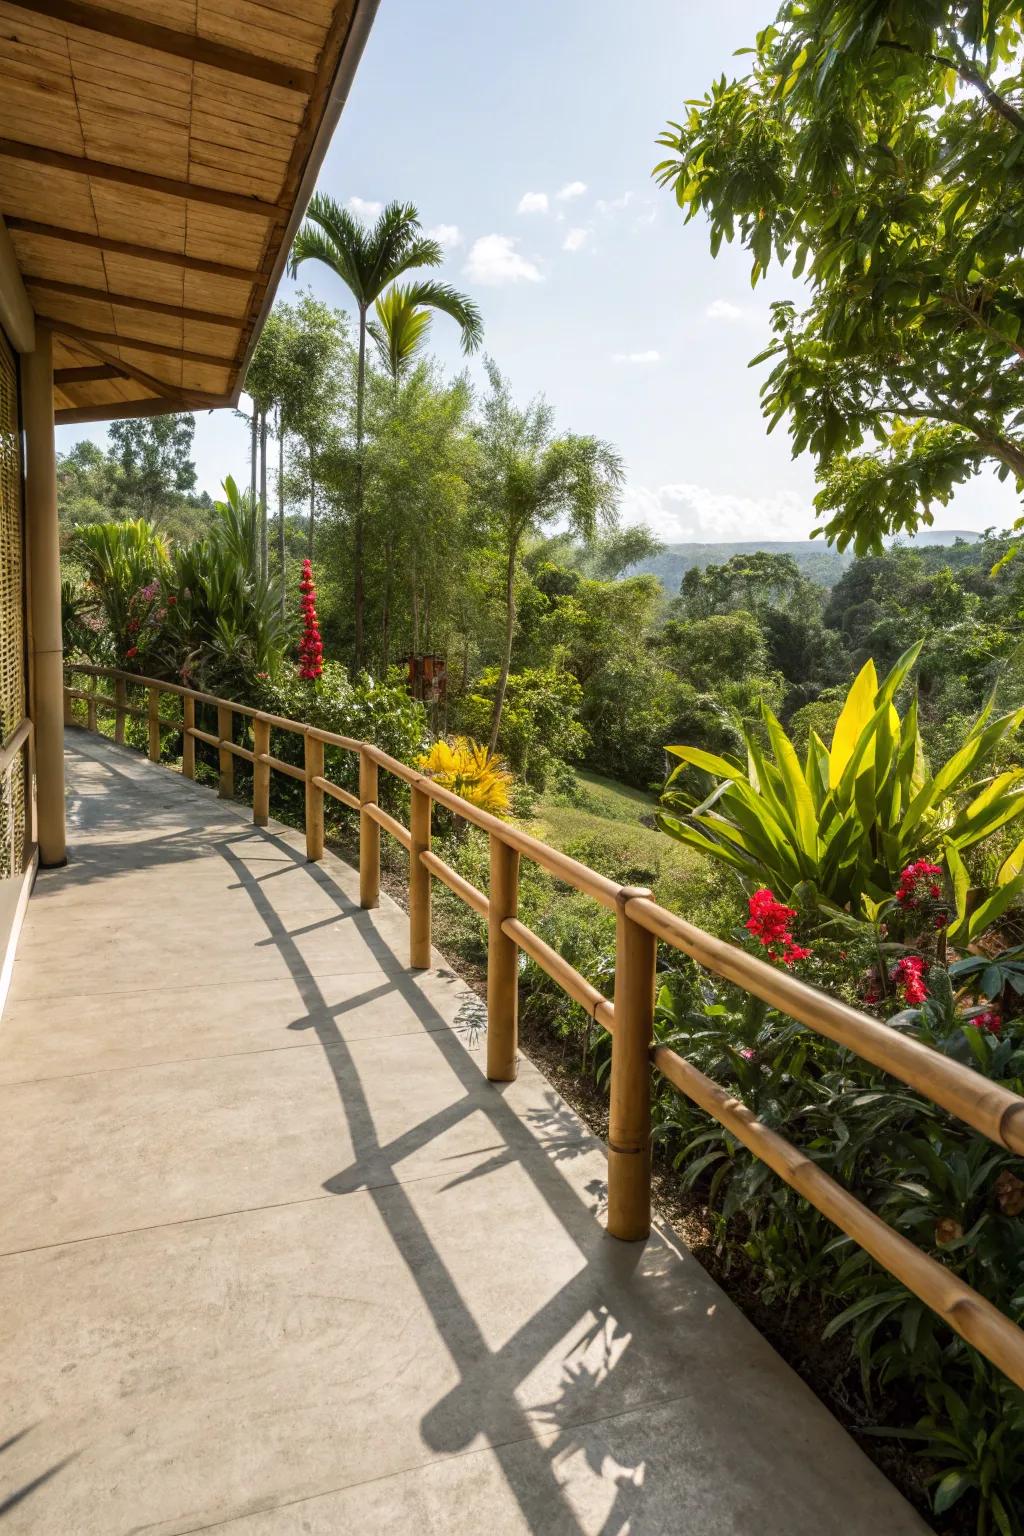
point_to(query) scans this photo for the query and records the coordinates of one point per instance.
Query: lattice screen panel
(12, 619)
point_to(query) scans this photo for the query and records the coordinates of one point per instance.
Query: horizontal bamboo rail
(641, 923)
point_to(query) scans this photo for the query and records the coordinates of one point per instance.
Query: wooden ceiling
(155, 159)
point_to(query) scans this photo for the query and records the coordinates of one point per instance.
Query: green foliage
(540, 723)
(122, 562)
(841, 826)
(875, 150)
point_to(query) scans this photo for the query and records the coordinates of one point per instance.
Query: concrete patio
(278, 1259)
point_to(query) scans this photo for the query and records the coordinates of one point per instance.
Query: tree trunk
(264, 550)
(312, 505)
(254, 438)
(415, 589)
(385, 618)
(280, 508)
(357, 530)
(506, 660)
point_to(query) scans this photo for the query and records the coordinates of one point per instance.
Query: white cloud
(650, 356)
(615, 204)
(364, 209)
(721, 309)
(571, 189)
(493, 259)
(533, 202)
(575, 239)
(684, 513)
(448, 235)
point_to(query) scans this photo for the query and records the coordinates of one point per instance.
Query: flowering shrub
(463, 766)
(919, 882)
(907, 976)
(311, 647)
(769, 922)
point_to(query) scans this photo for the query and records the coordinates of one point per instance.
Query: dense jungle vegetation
(818, 759)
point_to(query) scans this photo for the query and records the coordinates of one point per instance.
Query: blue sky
(525, 135)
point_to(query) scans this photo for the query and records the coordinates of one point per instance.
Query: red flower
(988, 1020)
(907, 975)
(311, 648)
(769, 922)
(132, 650)
(919, 882)
(172, 602)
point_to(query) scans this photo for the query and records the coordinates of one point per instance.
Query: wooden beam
(85, 342)
(63, 376)
(116, 410)
(136, 344)
(183, 45)
(126, 248)
(131, 301)
(100, 170)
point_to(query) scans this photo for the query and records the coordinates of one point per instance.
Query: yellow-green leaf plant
(839, 827)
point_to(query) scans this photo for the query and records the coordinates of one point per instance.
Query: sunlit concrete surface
(277, 1259)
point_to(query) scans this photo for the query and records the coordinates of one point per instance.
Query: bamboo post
(314, 799)
(260, 772)
(419, 881)
(225, 757)
(502, 965)
(154, 725)
(120, 704)
(369, 834)
(91, 708)
(188, 742)
(629, 1117)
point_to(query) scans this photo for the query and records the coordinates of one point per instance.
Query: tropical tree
(875, 148)
(528, 478)
(124, 563)
(368, 260)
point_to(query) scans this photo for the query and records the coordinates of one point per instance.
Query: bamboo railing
(990, 1109)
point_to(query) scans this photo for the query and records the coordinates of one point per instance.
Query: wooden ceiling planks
(151, 159)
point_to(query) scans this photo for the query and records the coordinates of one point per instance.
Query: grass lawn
(612, 829)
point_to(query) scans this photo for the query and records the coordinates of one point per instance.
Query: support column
(43, 555)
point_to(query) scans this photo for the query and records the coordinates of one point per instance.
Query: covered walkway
(277, 1258)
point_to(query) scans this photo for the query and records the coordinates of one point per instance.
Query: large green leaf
(855, 714)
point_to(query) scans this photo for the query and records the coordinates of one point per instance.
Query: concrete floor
(276, 1258)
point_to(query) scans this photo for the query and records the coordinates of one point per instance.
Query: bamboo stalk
(419, 881)
(188, 741)
(154, 725)
(225, 731)
(279, 765)
(369, 834)
(967, 1313)
(462, 888)
(502, 965)
(314, 799)
(554, 965)
(382, 819)
(629, 1111)
(337, 793)
(120, 704)
(260, 773)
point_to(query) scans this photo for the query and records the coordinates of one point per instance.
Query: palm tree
(403, 319)
(530, 478)
(368, 260)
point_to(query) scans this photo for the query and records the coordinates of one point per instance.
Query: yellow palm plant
(467, 769)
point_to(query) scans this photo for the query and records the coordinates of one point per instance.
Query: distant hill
(814, 557)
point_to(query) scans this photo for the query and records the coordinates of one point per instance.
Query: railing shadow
(489, 1378)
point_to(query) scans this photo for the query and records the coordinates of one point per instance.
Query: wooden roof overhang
(155, 161)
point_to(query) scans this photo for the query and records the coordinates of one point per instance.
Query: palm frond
(442, 296)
